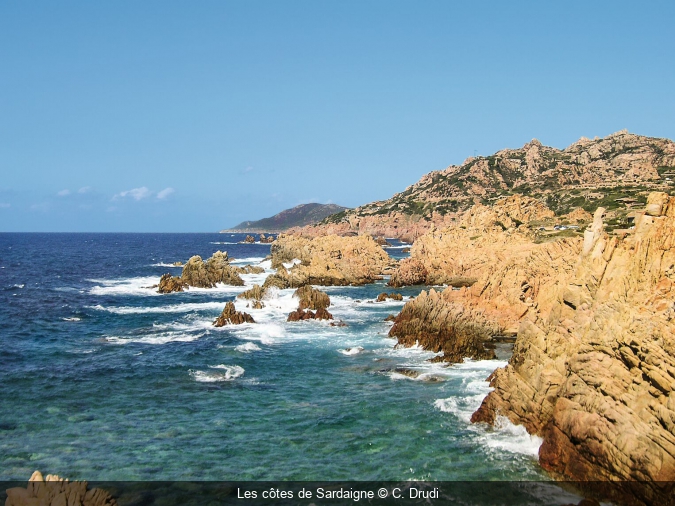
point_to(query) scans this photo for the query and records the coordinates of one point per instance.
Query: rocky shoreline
(592, 316)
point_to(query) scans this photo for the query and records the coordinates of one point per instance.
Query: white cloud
(84, 189)
(248, 169)
(4, 205)
(63, 193)
(165, 193)
(135, 193)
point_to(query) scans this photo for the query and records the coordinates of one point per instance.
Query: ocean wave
(352, 351)
(157, 338)
(164, 264)
(223, 242)
(172, 308)
(127, 286)
(229, 373)
(72, 319)
(293, 262)
(248, 260)
(247, 347)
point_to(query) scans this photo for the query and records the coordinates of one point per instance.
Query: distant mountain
(299, 216)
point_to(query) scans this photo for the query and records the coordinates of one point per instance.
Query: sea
(102, 378)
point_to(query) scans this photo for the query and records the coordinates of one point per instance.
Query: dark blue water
(102, 378)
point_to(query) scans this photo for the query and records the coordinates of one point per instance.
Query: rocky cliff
(617, 172)
(595, 375)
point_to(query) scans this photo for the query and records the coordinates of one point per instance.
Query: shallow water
(104, 379)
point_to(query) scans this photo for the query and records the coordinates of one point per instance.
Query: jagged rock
(278, 280)
(578, 215)
(169, 283)
(595, 377)
(255, 293)
(299, 315)
(248, 269)
(329, 260)
(55, 491)
(381, 241)
(206, 274)
(393, 296)
(390, 318)
(627, 160)
(311, 298)
(257, 304)
(230, 316)
(266, 240)
(410, 271)
(249, 239)
(438, 324)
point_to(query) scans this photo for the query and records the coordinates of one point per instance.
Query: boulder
(206, 274)
(266, 239)
(55, 491)
(230, 316)
(410, 271)
(393, 296)
(169, 283)
(311, 298)
(249, 239)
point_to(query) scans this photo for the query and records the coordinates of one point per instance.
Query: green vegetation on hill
(299, 216)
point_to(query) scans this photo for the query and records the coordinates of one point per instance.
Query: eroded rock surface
(230, 316)
(206, 274)
(329, 260)
(595, 377)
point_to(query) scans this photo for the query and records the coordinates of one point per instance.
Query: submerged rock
(230, 316)
(300, 315)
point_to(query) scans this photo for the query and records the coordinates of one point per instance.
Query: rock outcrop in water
(169, 283)
(392, 296)
(230, 316)
(440, 325)
(311, 299)
(595, 376)
(329, 260)
(55, 491)
(207, 274)
(255, 295)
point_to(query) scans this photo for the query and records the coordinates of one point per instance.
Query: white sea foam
(229, 373)
(128, 286)
(18, 286)
(156, 338)
(293, 262)
(247, 347)
(171, 308)
(248, 260)
(266, 264)
(72, 319)
(352, 351)
(164, 264)
(223, 242)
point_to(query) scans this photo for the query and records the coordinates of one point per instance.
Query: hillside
(616, 172)
(299, 216)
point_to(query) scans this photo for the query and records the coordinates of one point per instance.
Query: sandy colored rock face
(311, 298)
(439, 325)
(206, 274)
(329, 260)
(595, 377)
(169, 283)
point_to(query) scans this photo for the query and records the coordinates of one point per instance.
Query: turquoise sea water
(103, 379)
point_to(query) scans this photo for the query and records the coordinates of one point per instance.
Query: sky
(167, 116)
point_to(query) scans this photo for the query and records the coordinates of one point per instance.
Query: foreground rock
(55, 491)
(230, 316)
(440, 325)
(329, 260)
(595, 377)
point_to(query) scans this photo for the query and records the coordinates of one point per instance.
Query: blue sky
(193, 116)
